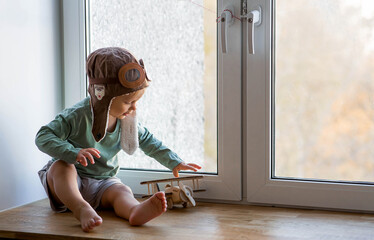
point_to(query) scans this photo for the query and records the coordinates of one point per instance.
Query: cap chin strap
(129, 133)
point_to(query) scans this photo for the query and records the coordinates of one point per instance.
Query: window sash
(261, 187)
(224, 186)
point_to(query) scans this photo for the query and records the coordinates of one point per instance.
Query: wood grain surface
(205, 221)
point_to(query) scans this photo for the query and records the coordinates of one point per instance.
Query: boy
(83, 141)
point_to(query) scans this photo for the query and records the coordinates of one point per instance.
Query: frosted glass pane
(324, 88)
(177, 41)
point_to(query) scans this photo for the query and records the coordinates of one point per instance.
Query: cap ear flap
(100, 113)
(129, 83)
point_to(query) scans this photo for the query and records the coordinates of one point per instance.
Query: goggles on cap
(130, 75)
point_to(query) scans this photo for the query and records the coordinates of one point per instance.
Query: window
(192, 83)
(310, 105)
(294, 120)
(324, 114)
(178, 46)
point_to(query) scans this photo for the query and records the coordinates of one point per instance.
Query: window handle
(254, 19)
(226, 21)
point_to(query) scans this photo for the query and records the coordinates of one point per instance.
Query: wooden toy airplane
(179, 194)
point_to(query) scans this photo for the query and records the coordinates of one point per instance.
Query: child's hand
(183, 166)
(85, 153)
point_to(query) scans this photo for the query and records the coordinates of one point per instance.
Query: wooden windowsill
(205, 221)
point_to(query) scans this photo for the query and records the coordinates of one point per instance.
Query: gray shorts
(91, 189)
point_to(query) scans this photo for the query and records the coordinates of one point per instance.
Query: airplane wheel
(169, 201)
(186, 194)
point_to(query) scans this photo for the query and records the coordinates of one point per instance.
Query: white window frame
(261, 188)
(74, 51)
(224, 186)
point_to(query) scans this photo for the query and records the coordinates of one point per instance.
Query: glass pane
(177, 41)
(324, 89)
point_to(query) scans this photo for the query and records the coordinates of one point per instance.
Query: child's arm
(52, 140)
(154, 148)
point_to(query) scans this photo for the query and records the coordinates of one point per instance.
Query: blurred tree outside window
(324, 89)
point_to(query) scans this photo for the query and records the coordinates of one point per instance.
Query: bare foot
(149, 209)
(88, 218)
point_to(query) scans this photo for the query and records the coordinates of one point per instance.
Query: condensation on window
(169, 36)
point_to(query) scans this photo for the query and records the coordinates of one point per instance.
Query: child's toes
(86, 227)
(161, 196)
(91, 223)
(98, 221)
(164, 204)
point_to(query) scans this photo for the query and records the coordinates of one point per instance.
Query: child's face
(124, 105)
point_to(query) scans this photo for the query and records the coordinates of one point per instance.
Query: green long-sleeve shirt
(70, 131)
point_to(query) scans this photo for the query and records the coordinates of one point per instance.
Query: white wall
(30, 93)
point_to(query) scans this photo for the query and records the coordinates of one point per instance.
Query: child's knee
(120, 190)
(61, 167)
(127, 189)
(115, 193)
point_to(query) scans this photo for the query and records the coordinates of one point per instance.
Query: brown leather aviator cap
(112, 72)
